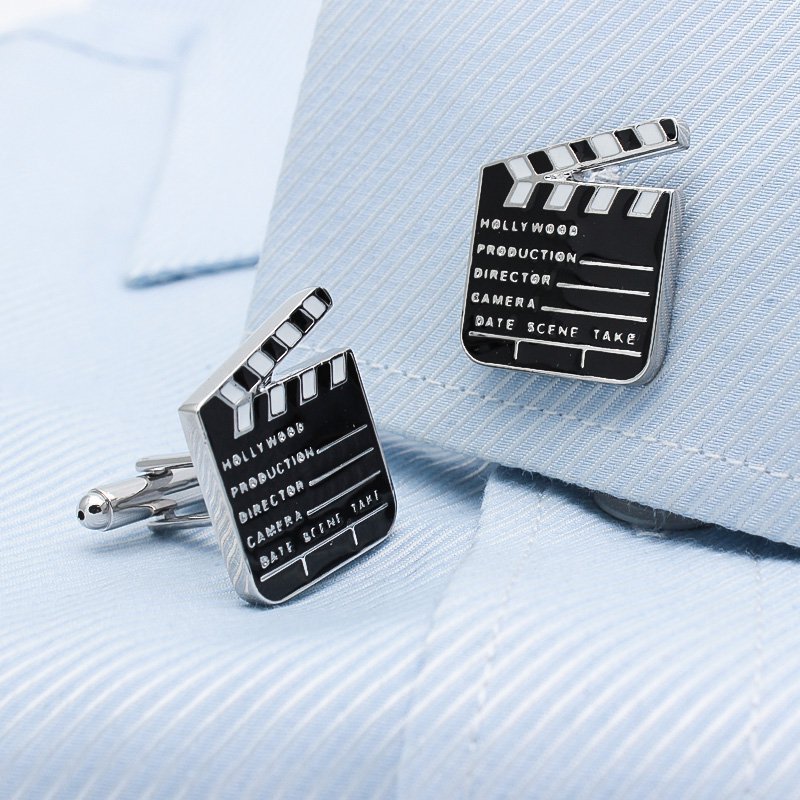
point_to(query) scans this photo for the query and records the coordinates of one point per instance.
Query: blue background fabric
(400, 107)
(234, 70)
(508, 640)
(238, 83)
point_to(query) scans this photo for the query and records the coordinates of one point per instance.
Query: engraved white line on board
(627, 317)
(522, 340)
(315, 481)
(601, 289)
(328, 540)
(341, 439)
(617, 265)
(317, 509)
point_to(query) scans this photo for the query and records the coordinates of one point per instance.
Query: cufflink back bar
(165, 493)
(289, 470)
(573, 277)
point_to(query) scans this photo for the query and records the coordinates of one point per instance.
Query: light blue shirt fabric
(234, 70)
(400, 108)
(508, 640)
(238, 83)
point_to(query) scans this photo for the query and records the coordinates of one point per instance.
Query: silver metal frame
(669, 260)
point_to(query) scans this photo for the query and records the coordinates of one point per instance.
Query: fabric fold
(580, 657)
(238, 88)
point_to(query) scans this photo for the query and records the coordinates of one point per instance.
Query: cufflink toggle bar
(165, 493)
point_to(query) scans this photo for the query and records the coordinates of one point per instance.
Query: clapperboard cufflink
(288, 470)
(572, 277)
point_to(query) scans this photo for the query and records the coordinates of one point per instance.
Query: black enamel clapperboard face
(291, 468)
(574, 278)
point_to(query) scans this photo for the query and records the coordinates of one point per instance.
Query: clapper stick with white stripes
(263, 352)
(573, 277)
(291, 466)
(561, 161)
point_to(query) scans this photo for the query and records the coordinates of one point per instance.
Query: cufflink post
(644, 517)
(166, 493)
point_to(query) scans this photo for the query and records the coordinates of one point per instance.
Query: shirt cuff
(238, 88)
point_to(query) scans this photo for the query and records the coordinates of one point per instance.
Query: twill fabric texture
(508, 640)
(238, 82)
(399, 109)
(235, 70)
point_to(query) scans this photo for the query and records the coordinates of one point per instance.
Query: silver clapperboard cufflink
(574, 277)
(290, 469)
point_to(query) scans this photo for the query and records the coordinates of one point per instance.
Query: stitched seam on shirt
(756, 694)
(431, 629)
(490, 654)
(736, 462)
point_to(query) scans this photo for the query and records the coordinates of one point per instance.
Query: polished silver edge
(219, 509)
(662, 323)
(465, 295)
